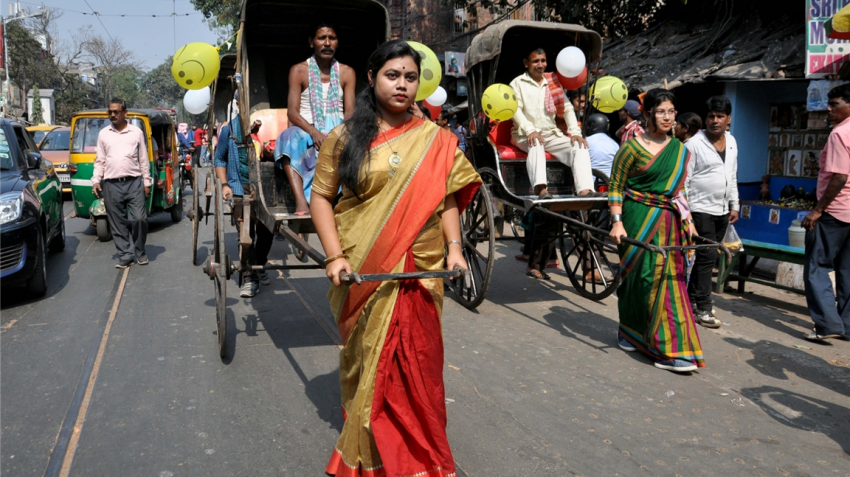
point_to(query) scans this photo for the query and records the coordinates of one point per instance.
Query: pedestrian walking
(828, 229)
(712, 188)
(655, 313)
(122, 177)
(404, 183)
(231, 168)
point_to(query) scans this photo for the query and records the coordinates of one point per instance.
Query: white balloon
(196, 101)
(570, 62)
(438, 98)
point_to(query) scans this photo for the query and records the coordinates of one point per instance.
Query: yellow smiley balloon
(499, 102)
(195, 65)
(609, 94)
(430, 71)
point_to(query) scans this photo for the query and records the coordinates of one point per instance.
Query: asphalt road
(536, 383)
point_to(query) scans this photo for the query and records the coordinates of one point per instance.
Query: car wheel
(103, 232)
(58, 242)
(36, 286)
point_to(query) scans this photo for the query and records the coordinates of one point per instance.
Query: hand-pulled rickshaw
(273, 37)
(591, 262)
(222, 93)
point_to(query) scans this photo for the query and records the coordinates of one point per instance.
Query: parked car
(37, 133)
(55, 147)
(31, 219)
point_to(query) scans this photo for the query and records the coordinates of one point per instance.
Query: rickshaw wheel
(196, 213)
(514, 218)
(479, 244)
(220, 278)
(585, 252)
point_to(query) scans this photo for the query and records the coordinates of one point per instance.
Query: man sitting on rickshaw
(321, 91)
(535, 130)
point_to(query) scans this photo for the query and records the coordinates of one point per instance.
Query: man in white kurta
(536, 132)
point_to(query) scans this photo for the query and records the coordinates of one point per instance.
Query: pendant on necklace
(395, 160)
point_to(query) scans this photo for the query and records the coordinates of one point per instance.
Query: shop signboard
(824, 55)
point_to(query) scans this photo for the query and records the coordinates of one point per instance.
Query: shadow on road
(803, 412)
(767, 311)
(778, 361)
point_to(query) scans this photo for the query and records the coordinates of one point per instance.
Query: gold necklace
(395, 159)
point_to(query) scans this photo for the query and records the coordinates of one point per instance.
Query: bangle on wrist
(454, 241)
(616, 218)
(334, 257)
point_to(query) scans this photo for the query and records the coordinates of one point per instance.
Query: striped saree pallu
(655, 311)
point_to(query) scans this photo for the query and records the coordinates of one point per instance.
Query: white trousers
(573, 156)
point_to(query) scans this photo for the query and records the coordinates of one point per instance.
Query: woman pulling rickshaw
(647, 204)
(404, 183)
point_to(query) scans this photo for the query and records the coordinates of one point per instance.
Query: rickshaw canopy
(276, 36)
(511, 39)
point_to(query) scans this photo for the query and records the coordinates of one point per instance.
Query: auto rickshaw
(165, 166)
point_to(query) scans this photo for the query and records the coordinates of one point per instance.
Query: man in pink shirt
(122, 176)
(828, 229)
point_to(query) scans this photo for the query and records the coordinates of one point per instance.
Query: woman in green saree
(647, 203)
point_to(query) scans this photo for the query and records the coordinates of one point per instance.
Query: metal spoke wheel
(513, 217)
(591, 263)
(479, 243)
(220, 273)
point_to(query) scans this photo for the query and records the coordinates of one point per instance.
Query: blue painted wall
(759, 228)
(751, 102)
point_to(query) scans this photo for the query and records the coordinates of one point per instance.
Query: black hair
(119, 101)
(842, 92)
(653, 98)
(537, 49)
(317, 25)
(362, 127)
(425, 111)
(692, 121)
(720, 104)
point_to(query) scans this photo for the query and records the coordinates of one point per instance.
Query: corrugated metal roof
(744, 48)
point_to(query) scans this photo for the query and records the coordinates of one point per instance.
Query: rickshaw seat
(501, 137)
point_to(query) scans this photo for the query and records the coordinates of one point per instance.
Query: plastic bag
(731, 240)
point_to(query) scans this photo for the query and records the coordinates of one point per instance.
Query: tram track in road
(62, 455)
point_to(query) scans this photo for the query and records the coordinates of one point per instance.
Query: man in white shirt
(536, 132)
(602, 148)
(712, 188)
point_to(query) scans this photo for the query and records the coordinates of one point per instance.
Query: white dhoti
(573, 156)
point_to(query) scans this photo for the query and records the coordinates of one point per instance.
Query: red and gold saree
(391, 368)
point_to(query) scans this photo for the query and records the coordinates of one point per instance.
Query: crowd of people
(385, 186)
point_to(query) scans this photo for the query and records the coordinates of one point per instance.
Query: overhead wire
(100, 21)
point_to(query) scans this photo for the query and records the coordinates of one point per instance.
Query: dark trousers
(261, 238)
(712, 227)
(128, 218)
(828, 249)
(540, 242)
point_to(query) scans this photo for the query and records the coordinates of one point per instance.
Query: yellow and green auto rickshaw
(166, 167)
